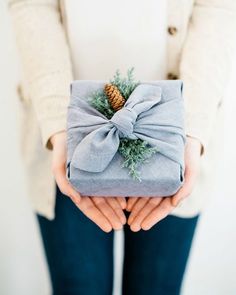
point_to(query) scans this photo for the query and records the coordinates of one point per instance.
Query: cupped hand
(145, 212)
(106, 212)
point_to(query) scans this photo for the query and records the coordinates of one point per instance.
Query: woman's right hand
(106, 212)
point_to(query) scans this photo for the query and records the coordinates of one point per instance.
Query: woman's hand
(107, 212)
(147, 211)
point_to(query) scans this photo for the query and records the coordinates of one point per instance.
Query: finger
(179, 196)
(140, 203)
(116, 206)
(144, 212)
(158, 213)
(184, 191)
(92, 212)
(64, 185)
(122, 201)
(130, 203)
(108, 212)
(83, 203)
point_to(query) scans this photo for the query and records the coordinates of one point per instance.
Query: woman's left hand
(145, 212)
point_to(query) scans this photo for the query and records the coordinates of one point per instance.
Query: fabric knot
(144, 115)
(124, 121)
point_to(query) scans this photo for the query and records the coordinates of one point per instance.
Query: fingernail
(123, 220)
(118, 226)
(146, 227)
(107, 229)
(127, 208)
(135, 227)
(124, 204)
(130, 220)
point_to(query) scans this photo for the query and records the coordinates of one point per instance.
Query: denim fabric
(154, 112)
(80, 255)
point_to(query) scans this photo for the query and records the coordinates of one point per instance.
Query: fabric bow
(143, 116)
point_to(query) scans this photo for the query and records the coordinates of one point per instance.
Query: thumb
(184, 191)
(64, 185)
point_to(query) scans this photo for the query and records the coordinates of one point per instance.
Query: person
(60, 41)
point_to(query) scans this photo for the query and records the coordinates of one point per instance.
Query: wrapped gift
(153, 114)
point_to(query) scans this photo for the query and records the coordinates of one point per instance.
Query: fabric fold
(143, 116)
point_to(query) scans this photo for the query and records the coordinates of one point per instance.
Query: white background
(212, 265)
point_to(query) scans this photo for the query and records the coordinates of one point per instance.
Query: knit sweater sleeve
(205, 64)
(45, 59)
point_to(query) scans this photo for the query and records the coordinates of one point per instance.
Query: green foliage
(135, 152)
(100, 102)
(127, 84)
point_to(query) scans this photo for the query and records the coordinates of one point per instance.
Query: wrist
(195, 144)
(58, 138)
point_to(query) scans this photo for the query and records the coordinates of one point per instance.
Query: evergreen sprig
(100, 102)
(134, 151)
(127, 84)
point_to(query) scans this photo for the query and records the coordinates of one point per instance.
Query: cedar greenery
(127, 84)
(134, 151)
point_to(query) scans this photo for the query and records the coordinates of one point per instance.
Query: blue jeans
(80, 255)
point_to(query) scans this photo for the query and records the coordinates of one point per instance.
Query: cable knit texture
(200, 54)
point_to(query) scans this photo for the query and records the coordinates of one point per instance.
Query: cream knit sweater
(201, 43)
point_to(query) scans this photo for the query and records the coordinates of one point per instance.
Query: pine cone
(114, 96)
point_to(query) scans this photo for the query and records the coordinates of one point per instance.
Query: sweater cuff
(51, 126)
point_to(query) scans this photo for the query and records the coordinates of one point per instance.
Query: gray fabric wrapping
(154, 112)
